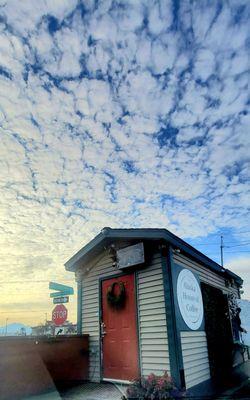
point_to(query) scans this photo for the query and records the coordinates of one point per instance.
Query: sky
(121, 114)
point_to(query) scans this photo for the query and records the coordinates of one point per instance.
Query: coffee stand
(143, 299)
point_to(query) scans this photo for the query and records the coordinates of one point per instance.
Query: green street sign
(61, 290)
(59, 294)
(60, 300)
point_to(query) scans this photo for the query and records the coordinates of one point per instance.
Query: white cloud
(25, 16)
(205, 64)
(160, 17)
(122, 116)
(240, 266)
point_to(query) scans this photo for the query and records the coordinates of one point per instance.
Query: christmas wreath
(116, 300)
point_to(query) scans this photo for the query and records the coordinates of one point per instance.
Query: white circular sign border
(194, 323)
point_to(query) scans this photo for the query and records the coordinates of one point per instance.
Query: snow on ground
(245, 319)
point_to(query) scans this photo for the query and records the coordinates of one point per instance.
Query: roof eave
(73, 262)
(108, 234)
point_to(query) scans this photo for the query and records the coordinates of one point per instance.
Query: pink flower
(151, 378)
(161, 382)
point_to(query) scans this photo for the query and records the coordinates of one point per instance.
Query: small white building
(150, 302)
(50, 329)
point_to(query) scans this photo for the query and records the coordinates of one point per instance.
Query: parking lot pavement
(45, 396)
(93, 391)
(242, 392)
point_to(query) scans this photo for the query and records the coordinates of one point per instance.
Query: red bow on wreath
(116, 300)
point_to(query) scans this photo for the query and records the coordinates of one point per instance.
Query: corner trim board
(79, 307)
(174, 342)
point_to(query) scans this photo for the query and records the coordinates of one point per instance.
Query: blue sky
(121, 114)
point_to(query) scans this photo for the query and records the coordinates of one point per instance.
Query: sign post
(61, 295)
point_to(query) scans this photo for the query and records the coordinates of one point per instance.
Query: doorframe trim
(138, 328)
(117, 381)
(105, 278)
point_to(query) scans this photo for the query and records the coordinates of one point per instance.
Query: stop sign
(59, 314)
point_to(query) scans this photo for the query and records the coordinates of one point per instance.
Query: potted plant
(154, 388)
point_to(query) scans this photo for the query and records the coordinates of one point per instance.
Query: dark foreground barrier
(33, 365)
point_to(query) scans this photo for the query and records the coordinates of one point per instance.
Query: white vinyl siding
(195, 357)
(205, 274)
(153, 342)
(152, 319)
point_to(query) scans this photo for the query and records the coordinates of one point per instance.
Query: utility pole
(221, 250)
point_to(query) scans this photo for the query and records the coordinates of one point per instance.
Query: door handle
(103, 332)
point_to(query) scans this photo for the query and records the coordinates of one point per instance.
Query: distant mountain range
(15, 329)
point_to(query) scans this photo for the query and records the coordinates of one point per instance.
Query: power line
(240, 251)
(237, 245)
(24, 292)
(21, 294)
(236, 233)
(231, 233)
(226, 251)
(229, 244)
(39, 281)
(18, 312)
(207, 244)
(242, 243)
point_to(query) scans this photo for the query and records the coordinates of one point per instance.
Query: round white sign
(190, 299)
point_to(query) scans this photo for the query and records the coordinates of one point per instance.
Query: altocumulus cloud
(122, 114)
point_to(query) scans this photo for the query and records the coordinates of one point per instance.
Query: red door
(120, 343)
